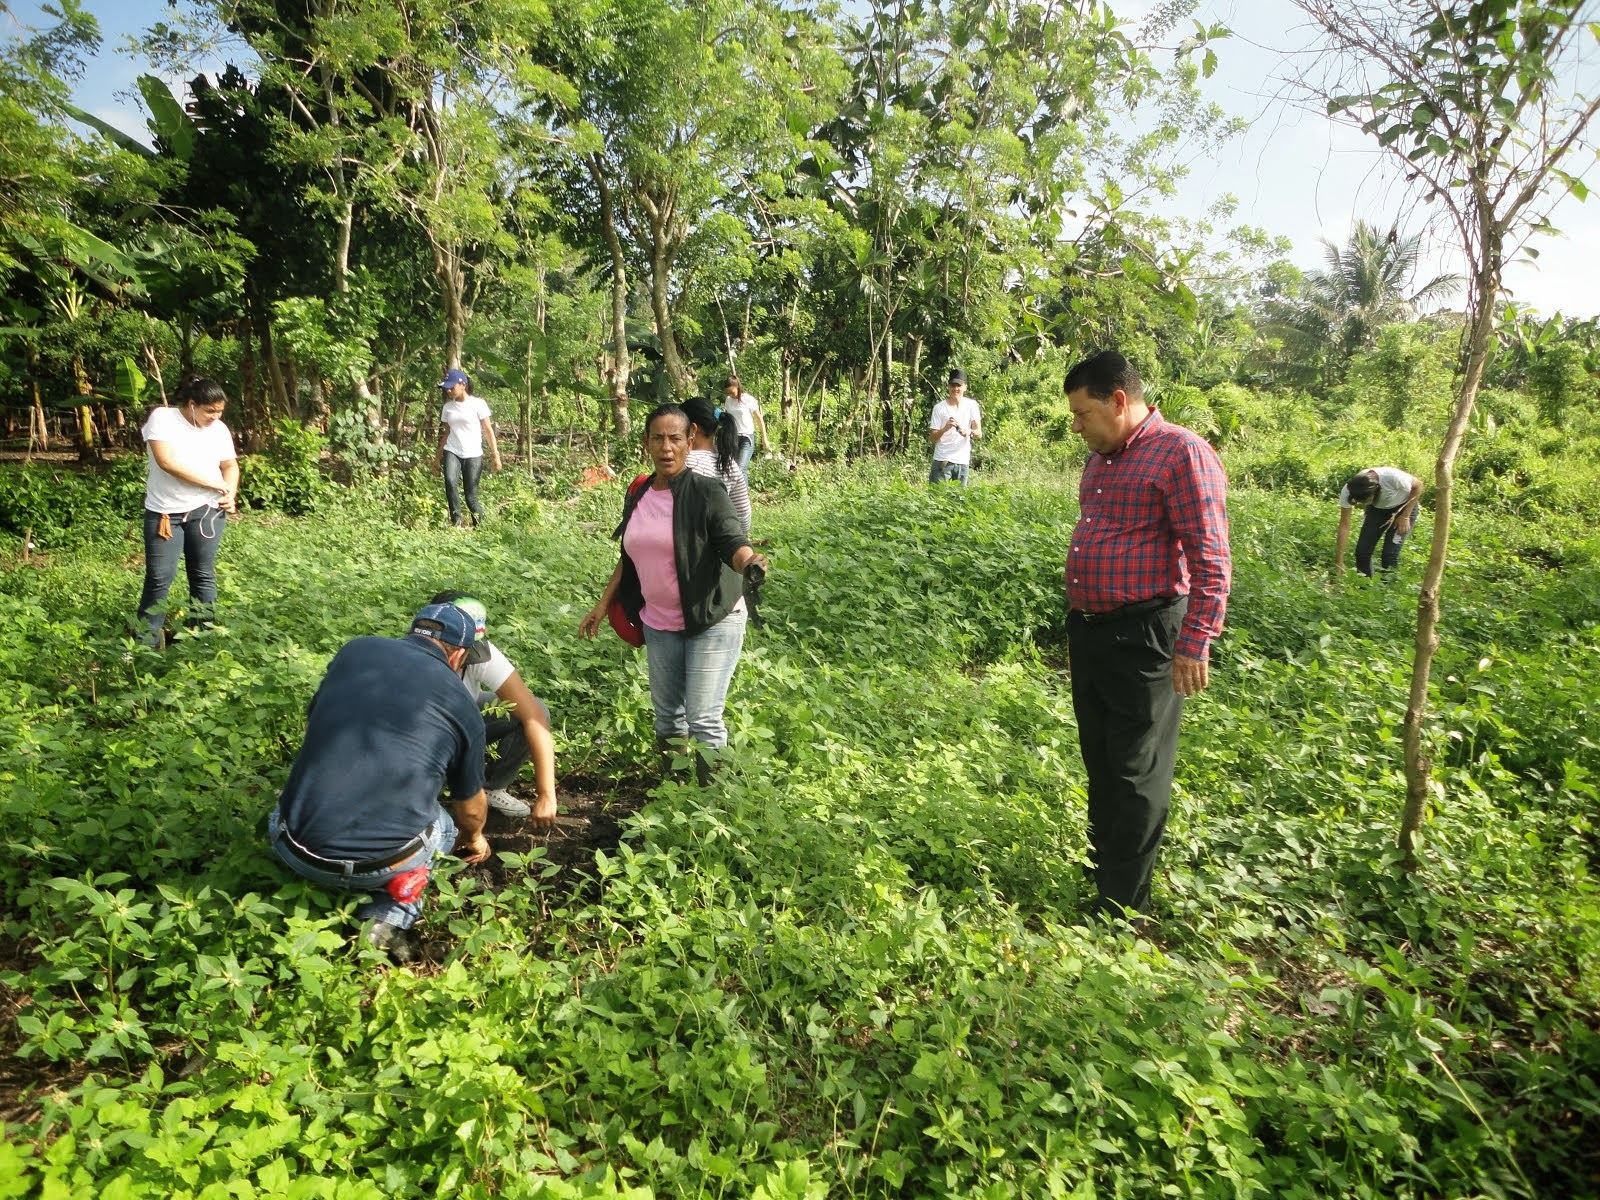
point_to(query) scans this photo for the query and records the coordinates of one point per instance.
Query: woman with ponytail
(714, 438)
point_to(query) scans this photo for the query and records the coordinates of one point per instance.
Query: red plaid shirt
(1153, 521)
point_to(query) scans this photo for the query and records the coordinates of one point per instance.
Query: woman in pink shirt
(680, 575)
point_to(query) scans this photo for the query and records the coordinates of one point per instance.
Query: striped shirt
(704, 462)
(1153, 522)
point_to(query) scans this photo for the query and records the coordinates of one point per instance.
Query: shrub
(287, 476)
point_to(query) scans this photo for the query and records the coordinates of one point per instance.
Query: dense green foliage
(591, 201)
(851, 966)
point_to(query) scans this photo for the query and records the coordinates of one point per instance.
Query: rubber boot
(707, 765)
(664, 755)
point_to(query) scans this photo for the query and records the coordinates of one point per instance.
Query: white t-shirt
(483, 680)
(1394, 488)
(956, 444)
(465, 419)
(200, 451)
(744, 411)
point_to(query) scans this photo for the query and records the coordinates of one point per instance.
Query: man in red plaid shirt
(1147, 577)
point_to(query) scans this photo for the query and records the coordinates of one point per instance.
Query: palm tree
(1365, 288)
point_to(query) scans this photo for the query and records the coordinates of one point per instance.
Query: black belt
(1138, 608)
(356, 868)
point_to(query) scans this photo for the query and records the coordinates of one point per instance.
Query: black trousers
(1379, 525)
(507, 742)
(1128, 716)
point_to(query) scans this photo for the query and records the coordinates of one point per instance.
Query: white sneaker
(503, 801)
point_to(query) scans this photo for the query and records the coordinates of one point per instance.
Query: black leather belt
(1137, 609)
(356, 868)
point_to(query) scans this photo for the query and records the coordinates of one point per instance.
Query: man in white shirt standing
(956, 421)
(746, 414)
(464, 426)
(1391, 497)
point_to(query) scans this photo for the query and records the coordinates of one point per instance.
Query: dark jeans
(459, 471)
(941, 471)
(1379, 526)
(1128, 717)
(195, 538)
(507, 739)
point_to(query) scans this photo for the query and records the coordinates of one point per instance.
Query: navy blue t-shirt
(389, 727)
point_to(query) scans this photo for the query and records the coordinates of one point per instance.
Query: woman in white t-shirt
(747, 418)
(191, 484)
(464, 425)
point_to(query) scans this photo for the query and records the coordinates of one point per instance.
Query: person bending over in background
(1391, 497)
(514, 736)
(679, 576)
(388, 728)
(1147, 577)
(955, 422)
(715, 453)
(464, 425)
(191, 484)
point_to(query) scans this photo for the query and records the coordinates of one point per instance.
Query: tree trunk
(315, 404)
(185, 348)
(541, 313)
(87, 451)
(291, 381)
(37, 415)
(886, 390)
(914, 397)
(621, 365)
(453, 289)
(663, 250)
(786, 386)
(397, 414)
(276, 402)
(249, 389)
(1419, 764)
(822, 407)
(525, 412)
(155, 372)
(661, 309)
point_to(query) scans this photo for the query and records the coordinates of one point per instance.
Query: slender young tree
(1484, 103)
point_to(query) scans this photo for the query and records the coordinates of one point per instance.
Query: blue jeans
(439, 839)
(941, 471)
(745, 452)
(689, 678)
(195, 538)
(459, 471)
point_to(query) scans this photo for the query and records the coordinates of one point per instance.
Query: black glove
(754, 576)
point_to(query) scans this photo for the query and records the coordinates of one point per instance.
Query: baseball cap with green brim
(474, 608)
(454, 625)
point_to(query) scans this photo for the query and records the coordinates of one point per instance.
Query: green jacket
(706, 534)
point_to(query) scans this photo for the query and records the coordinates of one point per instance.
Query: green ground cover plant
(851, 966)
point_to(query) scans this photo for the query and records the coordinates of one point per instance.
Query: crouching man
(389, 728)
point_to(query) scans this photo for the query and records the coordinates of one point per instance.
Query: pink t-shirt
(648, 541)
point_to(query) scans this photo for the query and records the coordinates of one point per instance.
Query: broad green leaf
(168, 117)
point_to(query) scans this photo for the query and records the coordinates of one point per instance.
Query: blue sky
(1294, 173)
(1302, 175)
